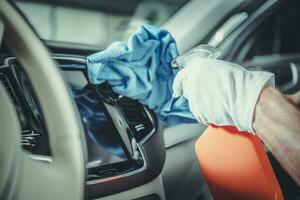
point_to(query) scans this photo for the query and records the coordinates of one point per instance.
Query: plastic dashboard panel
(149, 139)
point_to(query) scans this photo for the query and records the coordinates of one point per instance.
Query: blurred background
(95, 22)
(258, 34)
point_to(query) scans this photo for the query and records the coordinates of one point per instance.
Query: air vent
(33, 138)
(28, 140)
(137, 117)
(133, 111)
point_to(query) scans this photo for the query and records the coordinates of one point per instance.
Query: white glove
(221, 93)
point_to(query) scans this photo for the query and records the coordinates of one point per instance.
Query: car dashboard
(124, 147)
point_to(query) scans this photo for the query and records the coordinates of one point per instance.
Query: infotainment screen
(103, 143)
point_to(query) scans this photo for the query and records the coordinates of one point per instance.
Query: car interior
(65, 138)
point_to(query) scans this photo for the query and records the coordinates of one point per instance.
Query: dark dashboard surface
(104, 147)
(119, 132)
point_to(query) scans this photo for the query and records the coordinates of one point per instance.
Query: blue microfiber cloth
(140, 69)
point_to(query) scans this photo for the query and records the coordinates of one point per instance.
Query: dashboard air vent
(34, 138)
(137, 116)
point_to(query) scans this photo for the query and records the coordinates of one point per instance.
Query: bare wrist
(264, 104)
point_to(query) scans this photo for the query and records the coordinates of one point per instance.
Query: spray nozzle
(201, 51)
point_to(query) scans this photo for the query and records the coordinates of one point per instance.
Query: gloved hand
(141, 69)
(220, 92)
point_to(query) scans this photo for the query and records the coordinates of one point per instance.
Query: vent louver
(32, 137)
(137, 117)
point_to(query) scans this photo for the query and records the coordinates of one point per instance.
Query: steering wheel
(22, 177)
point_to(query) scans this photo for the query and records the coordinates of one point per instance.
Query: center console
(125, 146)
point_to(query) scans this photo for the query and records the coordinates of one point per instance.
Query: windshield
(95, 22)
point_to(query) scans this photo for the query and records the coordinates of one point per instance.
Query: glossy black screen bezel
(102, 102)
(112, 169)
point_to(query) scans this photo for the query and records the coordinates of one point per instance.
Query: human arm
(277, 124)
